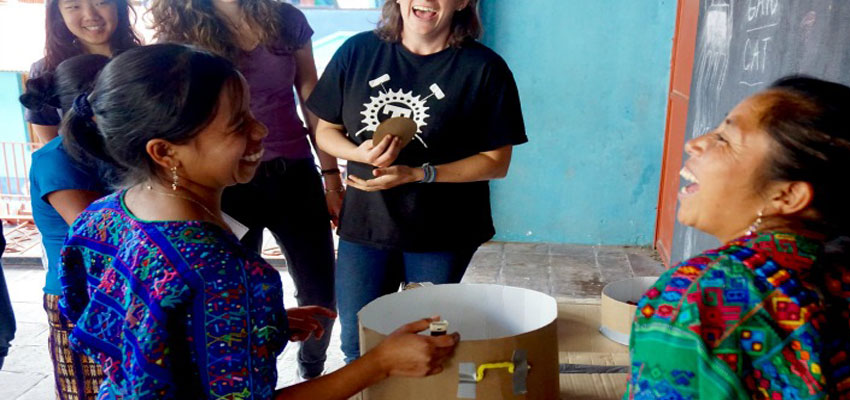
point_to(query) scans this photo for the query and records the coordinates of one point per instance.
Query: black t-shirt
(464, 101)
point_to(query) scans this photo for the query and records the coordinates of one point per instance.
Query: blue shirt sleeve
(54, 170)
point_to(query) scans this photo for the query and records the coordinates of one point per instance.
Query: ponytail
(40, 93)
(67, 89)
(81, 137)
(84, 142)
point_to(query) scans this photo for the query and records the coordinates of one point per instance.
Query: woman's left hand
(303, 322)
(333, 199)
(334, 192)
(386, 178)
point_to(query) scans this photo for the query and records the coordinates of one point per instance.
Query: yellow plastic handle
(481, 368)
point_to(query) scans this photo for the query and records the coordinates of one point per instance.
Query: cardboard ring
(617, 313)
(401, 127)
(494, 321)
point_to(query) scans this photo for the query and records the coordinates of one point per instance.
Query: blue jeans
(286, 196)
(365, 273)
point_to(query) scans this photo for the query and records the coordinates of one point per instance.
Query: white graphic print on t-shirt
(397, 103)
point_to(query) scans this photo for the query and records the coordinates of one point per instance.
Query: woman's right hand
(404, 353)
(381, 155)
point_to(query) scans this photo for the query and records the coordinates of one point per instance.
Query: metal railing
(14, 180)
(15, 197)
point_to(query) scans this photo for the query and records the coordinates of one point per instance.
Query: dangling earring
(755, 226)
(174, 178)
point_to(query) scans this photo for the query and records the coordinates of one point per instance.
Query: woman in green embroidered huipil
(765, 316)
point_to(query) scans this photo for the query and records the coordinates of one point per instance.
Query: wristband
(430, 173)
(330, 171)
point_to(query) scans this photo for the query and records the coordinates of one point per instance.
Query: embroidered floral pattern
(747, 320)
(171, 309)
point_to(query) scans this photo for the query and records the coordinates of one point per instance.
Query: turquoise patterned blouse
(171, 309)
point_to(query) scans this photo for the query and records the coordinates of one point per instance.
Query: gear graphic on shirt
(397, 103)
(412, 107)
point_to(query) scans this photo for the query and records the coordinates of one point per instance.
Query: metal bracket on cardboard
(469, 375)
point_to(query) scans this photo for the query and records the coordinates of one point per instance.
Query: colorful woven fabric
(171, 309)
(748, 320)
(76, 376)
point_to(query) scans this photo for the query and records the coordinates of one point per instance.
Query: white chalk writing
(755, 54)
(761, 8)
(763, 17)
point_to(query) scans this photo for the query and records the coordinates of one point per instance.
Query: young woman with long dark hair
(164, 296)
(269, 41)
(75, 27)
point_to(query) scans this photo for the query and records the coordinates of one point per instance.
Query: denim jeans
(365, 273)
(7, 316)
(286, 196)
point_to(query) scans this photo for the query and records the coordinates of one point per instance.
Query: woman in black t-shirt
(417, 212)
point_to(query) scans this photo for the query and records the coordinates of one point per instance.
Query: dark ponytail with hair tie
(68, 88)
(81, 137)
(84, 141)
(161, 91)
(40, 93)
(82, 107)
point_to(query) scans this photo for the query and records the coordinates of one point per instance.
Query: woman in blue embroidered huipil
(164, 296)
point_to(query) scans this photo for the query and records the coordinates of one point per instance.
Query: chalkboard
(744, 45)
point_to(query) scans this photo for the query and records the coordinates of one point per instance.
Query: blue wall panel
(12, 128)
(593, 79)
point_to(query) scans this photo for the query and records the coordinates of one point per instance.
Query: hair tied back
(82, 107)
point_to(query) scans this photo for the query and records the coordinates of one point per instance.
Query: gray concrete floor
(571, 274)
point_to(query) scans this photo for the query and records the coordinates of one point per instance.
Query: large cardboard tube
(493, 321)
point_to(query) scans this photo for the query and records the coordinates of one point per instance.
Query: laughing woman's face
(429, 18)
(724, 173)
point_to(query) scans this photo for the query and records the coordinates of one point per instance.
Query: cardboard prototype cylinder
(493, 321)
(617, 313)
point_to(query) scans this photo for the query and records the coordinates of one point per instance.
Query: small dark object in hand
(439, 328)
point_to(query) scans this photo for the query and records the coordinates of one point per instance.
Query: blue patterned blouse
(171, 309)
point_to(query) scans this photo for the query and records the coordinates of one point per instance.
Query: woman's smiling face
(428, 18)
(92, 22)
(229, 150)
(724, 173)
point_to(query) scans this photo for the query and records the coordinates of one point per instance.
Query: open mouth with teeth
(692, 184)
(254, 157)
(424, 12)
(95, 28)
